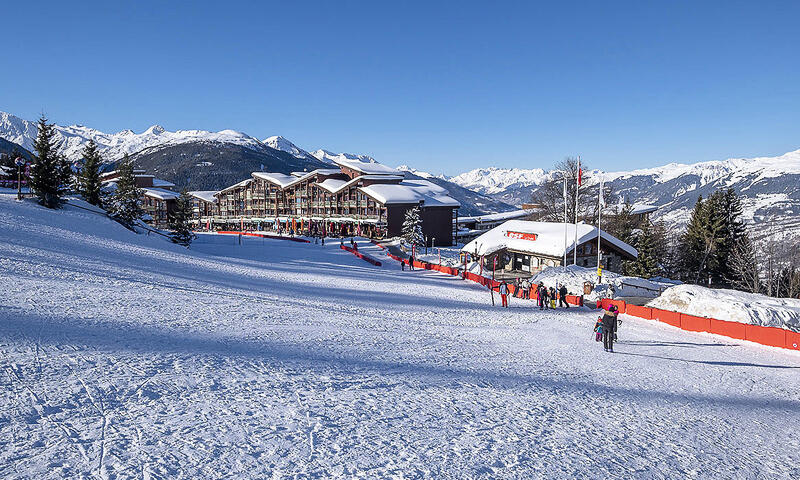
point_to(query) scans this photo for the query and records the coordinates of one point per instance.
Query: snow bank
(731, 305)
(613, 286)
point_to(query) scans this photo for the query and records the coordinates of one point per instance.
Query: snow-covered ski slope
(124, 356)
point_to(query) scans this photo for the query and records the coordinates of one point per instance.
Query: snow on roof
(283, 180)
(493, 217)
(160, 193)
(335, 185)
(369, 168)
(205, 195)
(549, 238)
(332, 185)
(240, 184)
(411, 191)
(280, 179)
(158, 182)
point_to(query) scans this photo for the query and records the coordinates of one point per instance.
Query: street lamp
(19, 162)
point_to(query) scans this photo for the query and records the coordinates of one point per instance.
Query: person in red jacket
(503, 289)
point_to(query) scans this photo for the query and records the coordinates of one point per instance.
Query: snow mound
(731, 305)
(614, 285)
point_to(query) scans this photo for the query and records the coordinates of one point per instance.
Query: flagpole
(599, 212)
(565, 220)
(577, 187)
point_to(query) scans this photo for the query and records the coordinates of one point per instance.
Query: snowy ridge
(330, 157)
(494, 180)
(114, 145)
(281, 143)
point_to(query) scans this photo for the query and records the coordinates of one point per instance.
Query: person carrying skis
(503, 289)
(609, 328)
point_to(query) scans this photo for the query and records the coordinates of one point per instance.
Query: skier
(551, 294)
(411, 263)
(562, 300)
(526, 289)
(609, 328)
(503, 289)
(541, 295)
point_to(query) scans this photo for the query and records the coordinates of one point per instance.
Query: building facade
(158, 196)
(526, 248)
(357, 198)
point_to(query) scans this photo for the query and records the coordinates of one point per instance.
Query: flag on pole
(580, 174)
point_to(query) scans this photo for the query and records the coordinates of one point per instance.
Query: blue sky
(443, 87)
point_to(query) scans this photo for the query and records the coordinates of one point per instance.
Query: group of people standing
(545, 297)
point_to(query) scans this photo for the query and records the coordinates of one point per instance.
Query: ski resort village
(373, 240)
(347, 322)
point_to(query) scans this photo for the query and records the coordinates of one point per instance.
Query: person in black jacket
(562, 296)
(609, 327)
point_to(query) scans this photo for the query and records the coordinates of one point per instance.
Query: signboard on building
(521, 235)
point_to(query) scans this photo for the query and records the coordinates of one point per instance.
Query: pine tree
(699, 243)
(125, 202)
(412, 228)
(646, 264)
(89, 177)
(50, 173)
(727, 207)
(179, 219)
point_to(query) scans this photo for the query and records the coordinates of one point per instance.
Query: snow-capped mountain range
(203, 160)
(769, 186)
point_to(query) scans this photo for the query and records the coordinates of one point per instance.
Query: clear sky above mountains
(443, 88)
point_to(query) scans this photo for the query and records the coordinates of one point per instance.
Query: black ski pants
(608, 338)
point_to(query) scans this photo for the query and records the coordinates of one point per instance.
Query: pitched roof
(160, 193)
(550, 238)
(411, 192)
(368, 168)
(205, 195)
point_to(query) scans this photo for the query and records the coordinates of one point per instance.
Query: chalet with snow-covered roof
(358, 198)
(158, 196)
(526, 248)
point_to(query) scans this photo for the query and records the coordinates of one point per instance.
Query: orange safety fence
(361, 255)
(771, 336)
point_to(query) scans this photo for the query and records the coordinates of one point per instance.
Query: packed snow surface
(126, 356)
(731, 305)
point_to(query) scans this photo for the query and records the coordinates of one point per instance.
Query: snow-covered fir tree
(179, 219)
(124, 203)
(412, 228)
(89, 176)
(50, 172)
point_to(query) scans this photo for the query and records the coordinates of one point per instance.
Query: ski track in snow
(124, 356)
